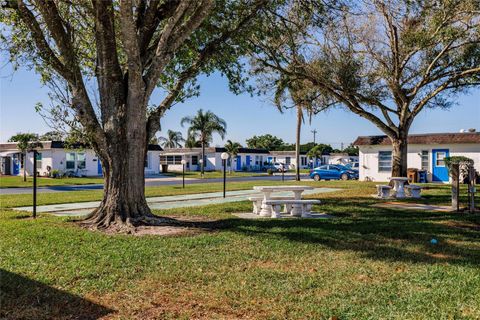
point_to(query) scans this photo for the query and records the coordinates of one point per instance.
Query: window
(70, 161)
(440, 161)
(81, 161)
(288, 160)
(170, 160)
(39, 160)
(194, 160)
(303, 161)
(424, 156)
(384, 161)
(147, 161)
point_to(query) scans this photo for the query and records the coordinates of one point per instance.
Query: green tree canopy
(266, 141)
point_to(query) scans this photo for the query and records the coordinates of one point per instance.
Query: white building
(339, 158)
(53, 156)
(246, 160)
(288, 158)
(425, 152)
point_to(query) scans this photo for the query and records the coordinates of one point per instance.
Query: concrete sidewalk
(167, 202)
(150, 182)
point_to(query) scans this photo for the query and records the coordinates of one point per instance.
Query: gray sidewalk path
(167, 202)
(150, 182)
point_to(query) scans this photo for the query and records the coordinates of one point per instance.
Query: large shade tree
(111, 56)
(202, 126)
(385, 61)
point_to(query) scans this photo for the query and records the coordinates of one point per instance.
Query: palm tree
(173, 139)
(192, 142)
(202, 126)
(25, 141)
(286, 84)
(232, 149)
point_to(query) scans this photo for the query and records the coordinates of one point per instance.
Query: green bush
(55, 173)
(270, 172)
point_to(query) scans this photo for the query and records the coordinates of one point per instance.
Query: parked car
(333, 172)
(354, 171)
(275, 167)
(353, 165)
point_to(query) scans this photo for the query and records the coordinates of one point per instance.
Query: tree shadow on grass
(23, 298)
(383, 234)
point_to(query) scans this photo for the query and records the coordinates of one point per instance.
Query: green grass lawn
(17, 181)
(367, 263)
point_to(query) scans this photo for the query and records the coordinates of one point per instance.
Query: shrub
(270, 172)
(55, 173)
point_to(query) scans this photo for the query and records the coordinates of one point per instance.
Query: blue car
(333, 172)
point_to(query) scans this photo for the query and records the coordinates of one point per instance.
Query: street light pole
(183, 172)
(224, 157)
(35, 153)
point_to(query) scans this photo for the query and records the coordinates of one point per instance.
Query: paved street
(150, 182)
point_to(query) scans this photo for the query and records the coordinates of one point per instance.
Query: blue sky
(245, 116)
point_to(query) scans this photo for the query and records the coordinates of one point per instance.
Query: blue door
(439, 171)
(247, 160)
(16, 164)
(269, 159)
(99, 167)
(239, 163)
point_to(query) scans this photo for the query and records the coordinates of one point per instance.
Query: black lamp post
(35, 154)
(183, 172)
(224, 157)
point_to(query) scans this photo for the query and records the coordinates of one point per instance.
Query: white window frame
(382, 167)
(425, 160)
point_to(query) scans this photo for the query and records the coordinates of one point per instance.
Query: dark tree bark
(297, 142)
(399, 157)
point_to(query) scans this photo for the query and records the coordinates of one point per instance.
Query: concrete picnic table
(398, 186)
(268, 190)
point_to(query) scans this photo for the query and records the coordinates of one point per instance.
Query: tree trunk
(124, 205)
(202, 164)
(399, 157)
(455, 174)
(297, 142)
(25, 166)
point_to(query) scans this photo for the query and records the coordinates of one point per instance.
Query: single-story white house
(425, 152)
(339, 158)
(247, 159)
(54, 156)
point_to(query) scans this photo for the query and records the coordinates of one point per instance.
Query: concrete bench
(383, 191)
(305, 205)
(413, 190)
(257, 203)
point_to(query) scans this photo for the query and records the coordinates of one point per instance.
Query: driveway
(149, 182)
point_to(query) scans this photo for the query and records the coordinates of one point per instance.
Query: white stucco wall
(368, 158)
(56, 159)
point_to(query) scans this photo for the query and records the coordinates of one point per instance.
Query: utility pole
(341, 146)
(314, 131)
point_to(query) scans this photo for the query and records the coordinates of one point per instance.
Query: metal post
(283, 173)
(183, 175)
(224, 176)
(34, 184)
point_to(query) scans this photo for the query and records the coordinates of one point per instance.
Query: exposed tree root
(121, 219)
